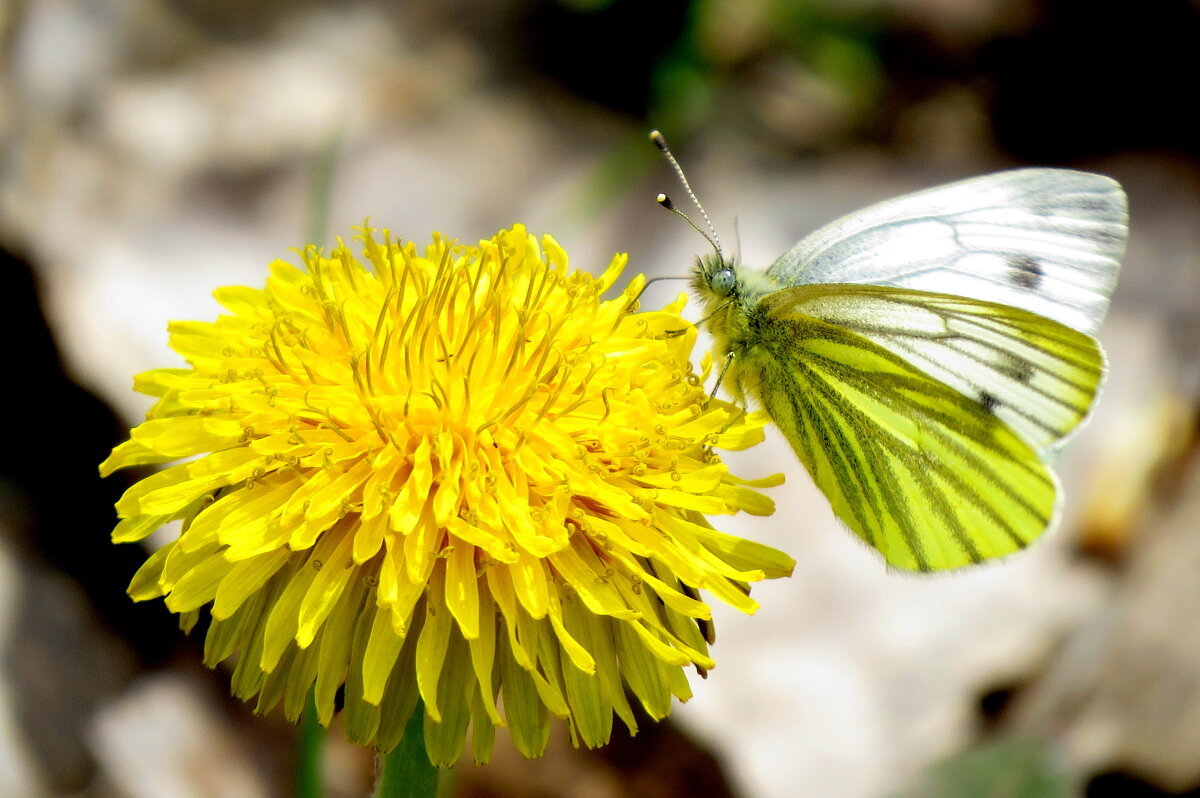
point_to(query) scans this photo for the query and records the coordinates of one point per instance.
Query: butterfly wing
(1046, 240)
(921, 415)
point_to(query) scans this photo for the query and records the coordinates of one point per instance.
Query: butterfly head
(727, 292)
(715, 278)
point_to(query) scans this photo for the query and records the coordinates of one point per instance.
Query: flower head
(458, 475)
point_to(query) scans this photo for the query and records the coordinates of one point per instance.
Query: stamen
(330, 425)
(348, 264)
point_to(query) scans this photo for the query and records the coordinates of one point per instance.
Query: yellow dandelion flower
(458, 475)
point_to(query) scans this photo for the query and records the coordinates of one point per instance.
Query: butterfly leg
(721, 375)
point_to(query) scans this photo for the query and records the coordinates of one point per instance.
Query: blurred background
(152, 150)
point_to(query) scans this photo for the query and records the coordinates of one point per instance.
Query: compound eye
(723, 282)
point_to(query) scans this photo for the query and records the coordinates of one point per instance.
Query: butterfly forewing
(926, 474)
(1046, 240)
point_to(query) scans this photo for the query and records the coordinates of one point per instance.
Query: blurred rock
(164, 739)
(20, 776)
(1124, 692)
(57, 666)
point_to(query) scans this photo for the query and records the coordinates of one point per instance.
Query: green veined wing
(934, 470)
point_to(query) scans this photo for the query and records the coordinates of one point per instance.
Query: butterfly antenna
(665, 201)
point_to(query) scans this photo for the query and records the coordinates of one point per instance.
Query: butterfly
(927, 357)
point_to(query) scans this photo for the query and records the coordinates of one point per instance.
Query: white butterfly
(925, 357)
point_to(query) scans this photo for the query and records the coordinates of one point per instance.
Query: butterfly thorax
(730, 294)
(728, 291)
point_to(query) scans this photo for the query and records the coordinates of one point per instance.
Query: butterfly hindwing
(921, 415)
(1046, 240)
(1034, 374)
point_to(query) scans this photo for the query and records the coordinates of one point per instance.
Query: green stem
(308, 755)
(406, 771)
(320, 194)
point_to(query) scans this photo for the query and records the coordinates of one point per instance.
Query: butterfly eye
(723, 282)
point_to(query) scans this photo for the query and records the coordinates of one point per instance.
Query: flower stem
(320, 195)
(308, 754)
(406, 771)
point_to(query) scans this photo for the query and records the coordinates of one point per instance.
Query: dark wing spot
(988, 401)
(1105, 236)
(1026, 272)
(1093, 206)
(1013, 367)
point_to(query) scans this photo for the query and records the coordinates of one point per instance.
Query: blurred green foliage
(1007, 767)
(806, 72)
(808, 55)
